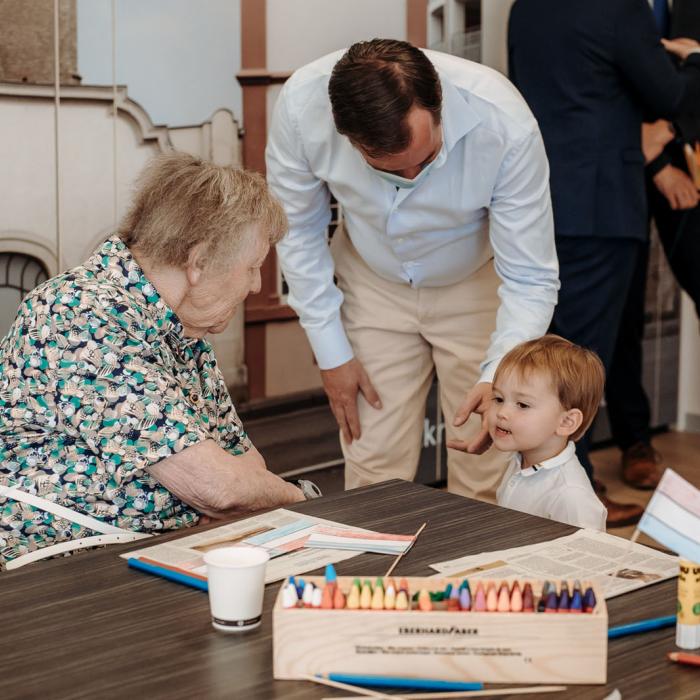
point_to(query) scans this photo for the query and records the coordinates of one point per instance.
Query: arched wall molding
(26, 242)
(95, 93)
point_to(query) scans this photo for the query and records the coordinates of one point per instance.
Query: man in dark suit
(589, 70)
(673, 205)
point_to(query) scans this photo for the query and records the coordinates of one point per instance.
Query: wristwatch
(309, 489)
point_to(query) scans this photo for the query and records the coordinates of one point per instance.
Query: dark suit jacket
(685, 22)
(590, 70)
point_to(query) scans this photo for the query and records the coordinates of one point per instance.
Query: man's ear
(569, 422)
(195, 265)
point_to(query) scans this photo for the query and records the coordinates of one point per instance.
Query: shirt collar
(458, 117)
(114, 260)
(562, 458)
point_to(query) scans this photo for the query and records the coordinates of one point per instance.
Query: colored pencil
(376, 681)
(680, 657)
(194, 581)
(654, 623)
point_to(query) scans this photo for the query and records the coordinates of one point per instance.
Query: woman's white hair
(181, 202)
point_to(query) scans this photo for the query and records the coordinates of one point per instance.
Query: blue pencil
(176, 576)
(397, 682)
(654, 623)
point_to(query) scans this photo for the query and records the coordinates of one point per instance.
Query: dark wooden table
(89, 627)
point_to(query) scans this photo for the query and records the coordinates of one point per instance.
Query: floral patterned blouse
(97, 382)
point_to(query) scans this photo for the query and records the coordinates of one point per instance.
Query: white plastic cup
(236, 578)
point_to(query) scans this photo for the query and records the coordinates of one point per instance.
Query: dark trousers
(628, 405)
(595, 275)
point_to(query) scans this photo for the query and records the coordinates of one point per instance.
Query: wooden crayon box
(495, 647)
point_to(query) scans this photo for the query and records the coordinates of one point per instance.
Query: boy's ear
(570, 422)
(195, 264)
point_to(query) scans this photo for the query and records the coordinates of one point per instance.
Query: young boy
(545, 395)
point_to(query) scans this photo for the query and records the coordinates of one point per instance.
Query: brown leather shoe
(620, 514)
(640, 466)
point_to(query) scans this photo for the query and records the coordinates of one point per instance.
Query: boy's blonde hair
(577, 374)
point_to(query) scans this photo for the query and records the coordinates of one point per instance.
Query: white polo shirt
(557, 488)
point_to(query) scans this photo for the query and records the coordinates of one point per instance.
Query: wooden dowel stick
(468, 693)
(363, 692)
(398, 559)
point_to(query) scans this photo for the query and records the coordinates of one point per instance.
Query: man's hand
(654, 137)
(476, 401)
(342, 385)
(677, 187)
(680, 47)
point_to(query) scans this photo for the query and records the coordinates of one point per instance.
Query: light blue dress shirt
(487, 196)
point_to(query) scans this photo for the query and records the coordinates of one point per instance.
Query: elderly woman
(115, 421)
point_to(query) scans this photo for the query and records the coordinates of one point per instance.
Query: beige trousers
(401, 336)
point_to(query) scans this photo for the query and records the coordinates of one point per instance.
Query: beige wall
(494, 33)
(300, 31)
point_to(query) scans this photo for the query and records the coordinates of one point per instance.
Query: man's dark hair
(374, 86)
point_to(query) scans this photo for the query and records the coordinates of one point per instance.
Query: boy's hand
(476, 401)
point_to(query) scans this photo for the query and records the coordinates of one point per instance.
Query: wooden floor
(680, 451)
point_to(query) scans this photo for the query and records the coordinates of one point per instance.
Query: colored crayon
(465, 599)
(516, 598)
(308, 594)
(453, 600)
(465, 584)
(379, 583)
(300, 584)
(338, 598)
(542, 603)
(402, 600)
(317, 597)
(564, 598)
(552, 602)
(589, 601)
(377, 599)
(327, 596)
(448, 591)
(503, 604)
(528, 599)
(331, 576)
(576, 601)
(366, 596)
(479, 604)
(290, 599)
(403, 585)
(353, 599)
(424, 602)
(390, 597)
(491, 598)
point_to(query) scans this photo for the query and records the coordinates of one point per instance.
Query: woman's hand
(220, 484)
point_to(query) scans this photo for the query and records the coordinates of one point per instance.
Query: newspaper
(282, 532)
(619, 565)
